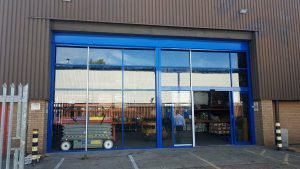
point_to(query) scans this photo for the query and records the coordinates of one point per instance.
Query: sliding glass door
(212, 117)
(176, 118)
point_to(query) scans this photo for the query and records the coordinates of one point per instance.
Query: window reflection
(144, 79)
(134, 57)
(71, 55)
(210, 59)
(139, 119)
(70, 96)
(105, 79)
(175, 79)
(211, 78)
(105, 56)
(239, 78)
(106, 97)
(171, 58)
(238, 60)
(70, 78)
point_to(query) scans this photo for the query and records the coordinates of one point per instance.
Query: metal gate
(8, 103)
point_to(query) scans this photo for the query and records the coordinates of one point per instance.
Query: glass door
(176, 118)
(241, 117)
(212, 117)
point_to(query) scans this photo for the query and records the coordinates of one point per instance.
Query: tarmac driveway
(210, 157)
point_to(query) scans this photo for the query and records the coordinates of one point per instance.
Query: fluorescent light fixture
(66, 0)
(243, 11)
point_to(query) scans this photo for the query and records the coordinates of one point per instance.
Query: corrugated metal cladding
(25, 41)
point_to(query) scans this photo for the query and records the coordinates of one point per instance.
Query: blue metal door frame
(158, 101)
(157, 43)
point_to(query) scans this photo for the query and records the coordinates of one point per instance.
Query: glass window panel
(105, 56)
(211, 78)
(239, 78)
(241, 114)
(175, 58)
(70, 96)
(178, 77)
(105, 119)
(175, 79)
(238, 60)
(105, 97)
(176, 118)
(69, 112)
(139, 79)
(176, 97)
(210, 59)
(71, 55)
(139, 119)
(134, 57)
(105, 79)
(70, 78)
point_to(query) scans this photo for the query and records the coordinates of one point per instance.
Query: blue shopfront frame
(156, 43)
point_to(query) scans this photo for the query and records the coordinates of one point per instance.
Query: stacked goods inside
(212, 117)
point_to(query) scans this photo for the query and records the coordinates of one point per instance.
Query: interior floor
(135, 140)
(202, 138)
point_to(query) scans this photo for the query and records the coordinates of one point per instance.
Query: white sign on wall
(255, 106)
(35, 106)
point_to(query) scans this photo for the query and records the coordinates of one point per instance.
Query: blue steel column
(173, 123)
(192, 99)
(158, 101)
(231, 101)
(252, 127)
(51, 97)
(232, 119)
(123, 113)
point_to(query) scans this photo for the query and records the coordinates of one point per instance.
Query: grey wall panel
(25, 39)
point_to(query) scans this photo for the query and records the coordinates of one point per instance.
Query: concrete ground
(295, 148)
(210, 157)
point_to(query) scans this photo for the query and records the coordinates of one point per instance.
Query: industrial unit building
(122, 74)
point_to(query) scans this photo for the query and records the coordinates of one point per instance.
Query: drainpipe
(277, 111)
